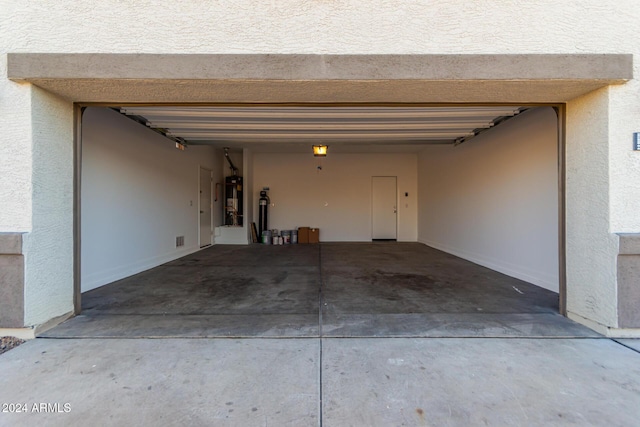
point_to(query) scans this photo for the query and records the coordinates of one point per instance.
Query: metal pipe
(234, 169)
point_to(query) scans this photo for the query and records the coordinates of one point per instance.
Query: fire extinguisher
(264, 212)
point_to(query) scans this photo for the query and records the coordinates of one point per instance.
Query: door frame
(396, 207)
(560, 109)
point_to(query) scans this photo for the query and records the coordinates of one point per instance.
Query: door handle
(201, 212)
(395, 209)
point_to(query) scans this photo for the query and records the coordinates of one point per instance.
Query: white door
(384, 207)
(205, 208)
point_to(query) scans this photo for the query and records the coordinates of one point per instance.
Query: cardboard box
(303, 234)
(314, 235)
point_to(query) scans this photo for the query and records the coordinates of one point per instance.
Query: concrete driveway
(328, 382)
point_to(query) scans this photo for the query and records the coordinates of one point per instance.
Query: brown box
(303, 234)
(314, 235)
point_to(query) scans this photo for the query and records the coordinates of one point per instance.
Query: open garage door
(477, 182)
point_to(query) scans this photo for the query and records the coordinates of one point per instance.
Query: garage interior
(474, 244)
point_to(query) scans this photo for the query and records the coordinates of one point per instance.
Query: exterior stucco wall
(624, 175)
(36, 194)
(591, 247)
(628, 279)
(340, 27)
(15, 156)
(11, 280)
(48, 247)
(34, 156)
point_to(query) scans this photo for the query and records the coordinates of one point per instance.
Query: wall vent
(179, 241)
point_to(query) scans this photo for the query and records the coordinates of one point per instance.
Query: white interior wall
(336, 199)
(138, 194)
(494, 199)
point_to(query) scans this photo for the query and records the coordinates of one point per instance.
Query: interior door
(384, 207)
(205, 208)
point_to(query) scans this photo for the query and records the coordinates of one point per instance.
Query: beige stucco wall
(15, 157)
(591, 269)
(48, 266)
(36, 193)
(343, 26)
(337, 27)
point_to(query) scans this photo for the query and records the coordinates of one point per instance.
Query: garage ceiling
(270, 128)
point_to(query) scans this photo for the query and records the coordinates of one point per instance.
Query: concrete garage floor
(329, 290)
(381, 335)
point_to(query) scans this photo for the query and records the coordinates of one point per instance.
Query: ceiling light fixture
(320, 150)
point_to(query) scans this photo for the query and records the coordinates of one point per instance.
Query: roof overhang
(284, 78)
